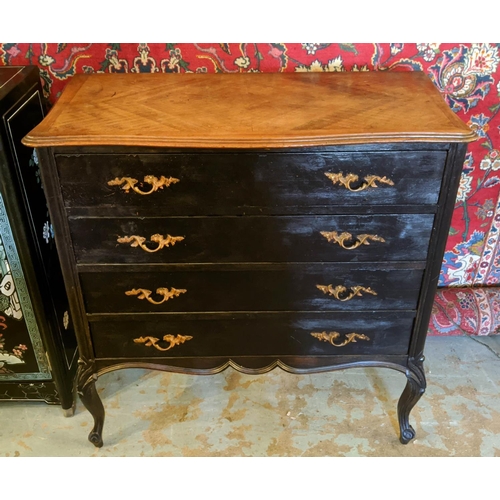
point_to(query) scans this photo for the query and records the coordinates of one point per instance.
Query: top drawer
(245, 183)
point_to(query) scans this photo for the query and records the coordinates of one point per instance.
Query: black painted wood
(253, 364)
(66, 256)
(315, 210)
(49, 376)
(252, 238)
(90, 398)
(30, 390)
(449, 187)
(333, 148)
(223, 184)
(413, 391)
(243, 288)
(252, 334)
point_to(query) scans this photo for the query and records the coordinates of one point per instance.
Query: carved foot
(96, 438)
(91, 400)
(413, 391)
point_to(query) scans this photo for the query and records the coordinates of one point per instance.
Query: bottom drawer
(251, 334)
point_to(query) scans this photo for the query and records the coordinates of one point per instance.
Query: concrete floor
(344, 413)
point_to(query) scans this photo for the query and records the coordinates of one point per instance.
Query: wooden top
(252, 110)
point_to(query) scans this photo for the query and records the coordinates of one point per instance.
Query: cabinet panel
(37, 341)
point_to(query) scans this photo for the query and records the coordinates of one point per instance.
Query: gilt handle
(143, 293)
(331, 337)
(370, 181)
(139, 241)
(173, 340)
(339, 292)
(342, 238)
(131, 183)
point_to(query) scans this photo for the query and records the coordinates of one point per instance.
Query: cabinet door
(34, 322)
(25, 164)
(22, 355)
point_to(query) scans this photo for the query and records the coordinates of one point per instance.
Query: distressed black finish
(413, 391)
(252, 334)
(251, 287)
(252, 239)
(87, 391)
(263, 268)
(224, 184)
(266, 265)
(49, 375)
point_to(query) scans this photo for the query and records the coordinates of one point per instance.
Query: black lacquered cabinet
(37, 340)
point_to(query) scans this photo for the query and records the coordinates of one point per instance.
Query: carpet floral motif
(466, 311)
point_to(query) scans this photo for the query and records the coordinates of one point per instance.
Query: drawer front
(179, 335)
(224, 184)
(311, 287)
(252, 239)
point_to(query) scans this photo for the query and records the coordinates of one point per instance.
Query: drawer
(230, 183)
(289, 287)
(252, 334)
(251, 239)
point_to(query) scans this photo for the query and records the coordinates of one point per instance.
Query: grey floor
(345, 413)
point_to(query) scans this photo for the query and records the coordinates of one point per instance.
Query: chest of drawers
(251, 221)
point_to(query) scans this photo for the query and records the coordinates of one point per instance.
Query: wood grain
(248, 111)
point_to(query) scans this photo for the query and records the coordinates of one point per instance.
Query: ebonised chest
(251, 221)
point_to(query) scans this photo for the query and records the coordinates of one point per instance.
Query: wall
(467, 75)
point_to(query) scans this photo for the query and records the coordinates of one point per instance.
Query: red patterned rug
(466, 311)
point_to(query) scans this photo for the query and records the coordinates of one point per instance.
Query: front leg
(88, 394)
(413, 391)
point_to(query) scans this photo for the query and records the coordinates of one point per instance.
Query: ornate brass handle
(167, 294)
(340, 239)
(370, 180)
(171, 339)
(340, 290)
(130, 183)
(332, 336)
(138, 241)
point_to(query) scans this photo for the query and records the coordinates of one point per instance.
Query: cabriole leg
(91, 400)
(413, 391)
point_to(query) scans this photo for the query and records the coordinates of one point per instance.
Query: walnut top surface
(248, 110)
